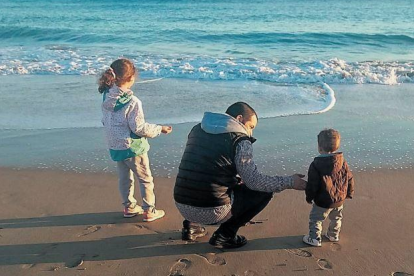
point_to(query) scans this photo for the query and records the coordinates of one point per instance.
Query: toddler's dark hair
(120, 72)
(329, 140)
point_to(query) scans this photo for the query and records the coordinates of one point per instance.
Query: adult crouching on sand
(218, 181)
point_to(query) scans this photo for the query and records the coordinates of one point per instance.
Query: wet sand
(375, 121)
(66, 223)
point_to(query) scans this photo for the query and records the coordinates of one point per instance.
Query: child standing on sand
(329, 182)
(126, 133)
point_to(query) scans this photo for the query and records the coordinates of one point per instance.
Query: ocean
(267, 46)
(273, 40)
(286, 58)
(320, 40)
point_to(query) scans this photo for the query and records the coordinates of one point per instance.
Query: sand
(66, 223)
(60, 211)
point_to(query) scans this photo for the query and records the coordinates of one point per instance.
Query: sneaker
(332, 239)
(314, 242)
(154, 214)
(192, 233)
(130, 212)
(220, 241)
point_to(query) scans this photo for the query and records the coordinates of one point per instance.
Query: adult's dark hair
(241, 108)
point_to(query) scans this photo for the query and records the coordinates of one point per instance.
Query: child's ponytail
(107, 80)
(120, 72)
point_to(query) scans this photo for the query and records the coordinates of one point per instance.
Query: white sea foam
(66, 103)
(329, 99)
(71, 61)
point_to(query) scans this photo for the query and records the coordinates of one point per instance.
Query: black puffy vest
(207, 169)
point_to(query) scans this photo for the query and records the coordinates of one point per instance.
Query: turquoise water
(273, 40)
(276, 55)
(280, 56)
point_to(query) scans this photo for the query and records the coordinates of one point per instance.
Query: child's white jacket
(125, 127)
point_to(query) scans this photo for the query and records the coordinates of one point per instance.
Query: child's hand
(166, 129)
(298, 182)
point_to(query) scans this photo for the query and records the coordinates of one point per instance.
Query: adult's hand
(298, 182)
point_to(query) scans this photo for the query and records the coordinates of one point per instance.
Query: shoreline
(375, 122)
(66, 217)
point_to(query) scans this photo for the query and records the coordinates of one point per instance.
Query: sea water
(275, 40)
(280, 55)
(283, 57)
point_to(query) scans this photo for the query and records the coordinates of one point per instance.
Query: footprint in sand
(324, 264)
(54, 268)
(139, 226)
(300, 252)
(251, 273)
(28, 266)
(76, 261)
(336, 247)
(89, 230)
(401, 274)
(179, 267)
(301, 269)
(213, 259)
(47, 249)
(364, 197)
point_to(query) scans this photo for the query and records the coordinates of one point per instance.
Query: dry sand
(61, 223)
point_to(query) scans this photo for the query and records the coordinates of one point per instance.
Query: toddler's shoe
(314, 242)
(153, 214)
(130, 211)
(332, 239)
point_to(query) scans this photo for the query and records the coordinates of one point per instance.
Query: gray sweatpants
(318, 215)
(140, 167)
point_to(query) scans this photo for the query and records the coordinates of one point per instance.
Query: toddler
(329, 182)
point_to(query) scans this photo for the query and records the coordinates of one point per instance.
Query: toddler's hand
(166, 129)
(298, 182)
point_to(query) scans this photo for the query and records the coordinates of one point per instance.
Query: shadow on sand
(114, 248)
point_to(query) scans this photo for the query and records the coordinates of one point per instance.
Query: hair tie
(112, 72)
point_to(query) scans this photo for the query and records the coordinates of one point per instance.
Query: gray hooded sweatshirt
(218, 123)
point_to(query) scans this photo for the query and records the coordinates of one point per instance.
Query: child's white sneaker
(132, 211)
(332, 239)
(313, 242)
(153, 214)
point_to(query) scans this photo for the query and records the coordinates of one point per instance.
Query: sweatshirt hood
(116, 98)
(218, 123)
(328, 164)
